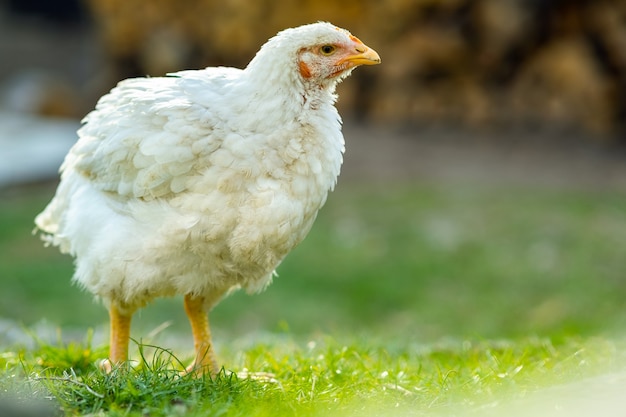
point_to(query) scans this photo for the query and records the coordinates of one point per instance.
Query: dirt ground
(526, 159)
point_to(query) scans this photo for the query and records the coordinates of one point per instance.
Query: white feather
(200, 181)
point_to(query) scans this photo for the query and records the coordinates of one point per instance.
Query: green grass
(324, 377)
(403, 300)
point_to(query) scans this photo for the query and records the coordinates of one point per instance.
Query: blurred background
(464, 62)
(483, 192)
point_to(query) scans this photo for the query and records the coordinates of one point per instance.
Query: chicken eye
(327, 49)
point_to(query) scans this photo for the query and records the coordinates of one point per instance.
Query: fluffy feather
(203, 181)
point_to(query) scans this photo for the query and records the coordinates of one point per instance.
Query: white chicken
(202, 181)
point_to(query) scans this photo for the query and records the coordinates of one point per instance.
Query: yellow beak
(364, 56)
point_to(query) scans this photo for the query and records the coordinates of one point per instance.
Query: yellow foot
(198, 370)
(106, 366)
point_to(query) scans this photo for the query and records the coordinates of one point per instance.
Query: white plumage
(202, 181)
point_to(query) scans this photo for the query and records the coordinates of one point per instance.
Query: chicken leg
(204, 361)
(120, 335)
